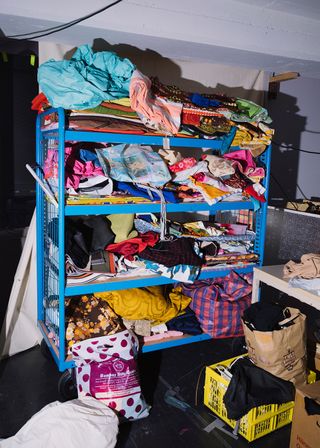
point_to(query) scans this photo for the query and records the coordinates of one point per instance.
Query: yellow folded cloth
(146, 303)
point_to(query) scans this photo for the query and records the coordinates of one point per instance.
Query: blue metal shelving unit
(51, 288)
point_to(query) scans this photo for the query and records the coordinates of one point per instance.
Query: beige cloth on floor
(308, 268)
(80, 423)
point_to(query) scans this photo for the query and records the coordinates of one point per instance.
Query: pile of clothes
(103, 92)
(134, 173)
(154, 313)
(304, 274)
(107, 93)
(99, 248)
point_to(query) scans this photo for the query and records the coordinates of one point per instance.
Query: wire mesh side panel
(48, 240)
(51, 272)
(261, 214)
(50, 232)
(255, 220)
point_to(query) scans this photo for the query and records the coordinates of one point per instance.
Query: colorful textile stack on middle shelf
(120, 173)
(99, 248)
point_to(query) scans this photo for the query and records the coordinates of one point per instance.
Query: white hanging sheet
(19, 330)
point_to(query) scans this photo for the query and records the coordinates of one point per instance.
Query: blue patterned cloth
(181, 272)
(134, 163)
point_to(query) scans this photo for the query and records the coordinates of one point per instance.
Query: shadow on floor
(28, 381)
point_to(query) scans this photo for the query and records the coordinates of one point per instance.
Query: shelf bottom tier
(67, 363)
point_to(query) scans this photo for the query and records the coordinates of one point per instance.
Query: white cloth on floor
(79, 423)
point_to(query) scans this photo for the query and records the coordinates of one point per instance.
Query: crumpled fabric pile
(304, 275)
(101, 90)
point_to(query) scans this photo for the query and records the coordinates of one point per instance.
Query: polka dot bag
(106, 369)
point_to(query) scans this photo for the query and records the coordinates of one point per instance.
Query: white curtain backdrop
(19, 330)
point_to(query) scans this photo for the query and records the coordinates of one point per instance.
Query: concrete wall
(295, 114)
(273, 29)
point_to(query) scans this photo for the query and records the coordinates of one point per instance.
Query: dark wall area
(18, 86)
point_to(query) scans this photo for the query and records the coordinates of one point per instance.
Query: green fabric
(251, 110)
(248, 107)
(122, 227)
(106, 110)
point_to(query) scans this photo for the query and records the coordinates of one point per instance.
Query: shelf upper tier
(154, 207)
(109, 137)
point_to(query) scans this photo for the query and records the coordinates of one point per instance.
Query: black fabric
(211, 249)
(102, 234)
(172, 253)
(187, 323)
(311, 406)
(251, 386)
(264, 316)
(85, 236)
(99, 261)
(78, 239)
(97, 186)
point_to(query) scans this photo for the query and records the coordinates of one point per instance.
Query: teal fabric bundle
(86, 79)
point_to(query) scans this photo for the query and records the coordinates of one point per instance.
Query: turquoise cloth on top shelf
(86, 79)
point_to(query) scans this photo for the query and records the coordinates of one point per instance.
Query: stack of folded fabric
(107, 93)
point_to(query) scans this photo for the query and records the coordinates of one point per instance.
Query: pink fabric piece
(207, 179)
(184, 164)
(50, 166)
(166, 335)
(155, 112)
(245, 163)
(74, 169)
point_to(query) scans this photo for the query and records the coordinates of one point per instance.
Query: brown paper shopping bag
(281, 352)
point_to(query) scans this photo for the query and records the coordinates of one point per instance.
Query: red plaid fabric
(219, 303)
(236, 217)
(245, 217)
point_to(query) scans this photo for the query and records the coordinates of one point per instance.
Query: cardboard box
(305, 430)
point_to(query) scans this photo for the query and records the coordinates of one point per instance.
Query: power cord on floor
(197, 386)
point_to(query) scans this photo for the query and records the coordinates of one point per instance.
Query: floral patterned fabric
(89, 316)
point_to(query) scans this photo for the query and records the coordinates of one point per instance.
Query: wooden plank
(284, 76)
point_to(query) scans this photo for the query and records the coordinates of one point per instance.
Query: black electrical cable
(295, 149)
(305, 197)
(311, 132)
(283, 192)
(58, 28)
